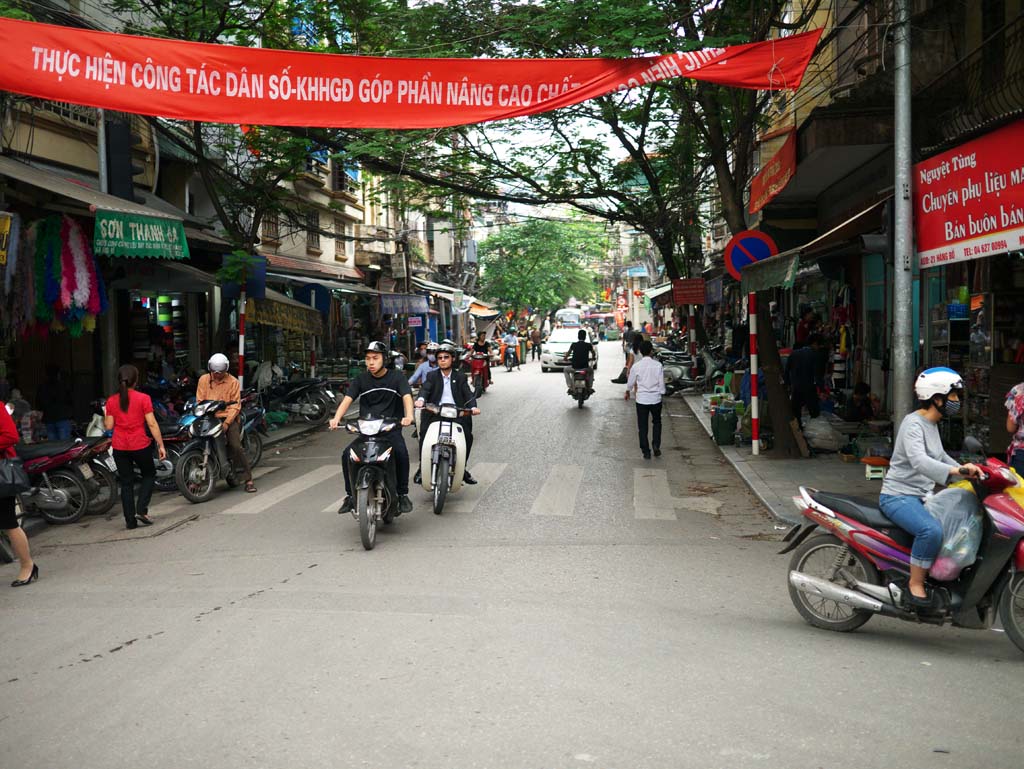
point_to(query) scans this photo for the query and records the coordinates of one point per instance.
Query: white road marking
(257, 503)
(652, 499)
(558, 494)
(468, 497)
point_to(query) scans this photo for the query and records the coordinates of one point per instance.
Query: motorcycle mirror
(973, 445)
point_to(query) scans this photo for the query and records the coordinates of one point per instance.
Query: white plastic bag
(958, 511)
(820, 435)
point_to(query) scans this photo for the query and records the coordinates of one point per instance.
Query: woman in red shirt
(129, 413)
(8, 516)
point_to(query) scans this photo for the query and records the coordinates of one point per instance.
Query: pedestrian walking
(54, 400)
(28, 571)
(128, 414)
(803, 375)
(627, 338)
(535, 341)
(647, 381)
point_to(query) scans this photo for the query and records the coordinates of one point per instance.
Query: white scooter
(443, 454)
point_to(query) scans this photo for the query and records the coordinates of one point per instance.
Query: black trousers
(126, 462)
(643, 411)
(235, 450)
(397, 441)
(427, 418)
(803, 397)
(535, 351)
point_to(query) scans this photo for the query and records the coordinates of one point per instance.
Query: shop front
(969, 222)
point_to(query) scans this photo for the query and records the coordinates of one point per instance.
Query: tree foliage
(540, 264)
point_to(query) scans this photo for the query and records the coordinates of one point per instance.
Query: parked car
(554, 348)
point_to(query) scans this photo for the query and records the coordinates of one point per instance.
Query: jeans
(535, 351)
(59, 430)
(910, 514)
(653, 410)
(126, 462)
(397, 441)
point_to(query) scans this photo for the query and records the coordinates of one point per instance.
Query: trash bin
(723, 426)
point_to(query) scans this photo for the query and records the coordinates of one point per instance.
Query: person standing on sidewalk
(54, 400)
(627, 338)
(128, 414)
(647, 380)
(802, 374)
(28, 572)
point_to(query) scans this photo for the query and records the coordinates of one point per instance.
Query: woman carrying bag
(8, 515)
(129, 413)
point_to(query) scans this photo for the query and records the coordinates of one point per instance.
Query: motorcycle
(254, 427)
(510, 357)
(859, 564)
(698, 377)
(443, 454)
(102, 486)
(59, 471)
(308, 399)
(204, 459)
(480, 375)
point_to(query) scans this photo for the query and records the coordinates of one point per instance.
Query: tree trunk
(786, 441)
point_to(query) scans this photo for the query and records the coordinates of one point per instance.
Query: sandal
(250, 487)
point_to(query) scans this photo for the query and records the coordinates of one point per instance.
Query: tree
(540, 264)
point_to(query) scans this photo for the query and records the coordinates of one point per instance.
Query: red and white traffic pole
(691, 325)
(755, 423)
(241, 339)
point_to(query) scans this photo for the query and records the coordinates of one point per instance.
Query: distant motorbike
(858, 563)
(443, 454)
(480, 375)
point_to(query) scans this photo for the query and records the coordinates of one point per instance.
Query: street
(580, 606)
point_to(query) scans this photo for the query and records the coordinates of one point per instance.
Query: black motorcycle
(204, 459)
(309, 400)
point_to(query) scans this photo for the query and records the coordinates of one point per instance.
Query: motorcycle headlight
(370, 426)
(449, 412)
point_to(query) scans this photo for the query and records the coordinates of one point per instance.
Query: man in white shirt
(647, 380)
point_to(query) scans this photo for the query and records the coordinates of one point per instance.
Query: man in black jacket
(446, 386)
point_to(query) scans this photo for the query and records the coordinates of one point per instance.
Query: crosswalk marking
(652, 499)
(257, 503)
(468, 497)
(558, 494)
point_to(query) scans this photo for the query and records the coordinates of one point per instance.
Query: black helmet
(377, 347)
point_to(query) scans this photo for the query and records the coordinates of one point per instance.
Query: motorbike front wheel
(1011, 610)
(367, 518)
(193, 480)
(102, 489)
(77, 495)
(441, 484)
(817, 557)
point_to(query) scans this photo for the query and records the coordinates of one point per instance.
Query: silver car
(554, 348)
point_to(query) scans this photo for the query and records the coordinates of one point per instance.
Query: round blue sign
(746, 248)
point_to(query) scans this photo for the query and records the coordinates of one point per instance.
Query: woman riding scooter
(918, 464)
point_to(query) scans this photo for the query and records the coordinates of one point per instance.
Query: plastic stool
(875, 468)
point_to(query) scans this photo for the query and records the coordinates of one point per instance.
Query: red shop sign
(969, 201)
(775, 175)
(688, 291)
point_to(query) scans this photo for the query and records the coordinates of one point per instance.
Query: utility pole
(903, 241)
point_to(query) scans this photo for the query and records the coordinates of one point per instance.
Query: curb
(775, 504)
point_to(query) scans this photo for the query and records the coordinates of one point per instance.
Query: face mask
(432, 358)
(952, 408)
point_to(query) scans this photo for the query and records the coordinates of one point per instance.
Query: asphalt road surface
(579, 607)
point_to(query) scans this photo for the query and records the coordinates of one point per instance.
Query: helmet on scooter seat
(937, 381)
(218, 362)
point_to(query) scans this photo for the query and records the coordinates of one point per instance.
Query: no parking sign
(746, 248)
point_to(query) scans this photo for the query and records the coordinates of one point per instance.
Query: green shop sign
(136, 235)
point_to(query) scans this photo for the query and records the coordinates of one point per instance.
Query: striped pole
(755, 423)
(691, 324)
(241, 339)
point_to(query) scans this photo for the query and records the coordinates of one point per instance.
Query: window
(271, 227)
(345, 245)
(344, 179)
(313, 229)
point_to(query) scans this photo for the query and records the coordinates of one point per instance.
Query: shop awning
(284, 312)
(656, 291)
(437, 289)
(333, 285)
(868, 220)
(161, 276)
(483, 310)
(123, 228)
(775, 272)
(403, 304)
(293, 265)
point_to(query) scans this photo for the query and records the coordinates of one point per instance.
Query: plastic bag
(820, 435)
(957, 509)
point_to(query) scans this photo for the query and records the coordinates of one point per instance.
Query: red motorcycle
(59, 471)
(858, 565)
(480, 373)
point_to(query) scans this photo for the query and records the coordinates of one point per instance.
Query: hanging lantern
(637, 292)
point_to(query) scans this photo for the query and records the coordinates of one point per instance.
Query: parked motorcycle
(307, 399)
(58, 471)
(859, 564)
(102, 487)
(443, 454)
(204, 459)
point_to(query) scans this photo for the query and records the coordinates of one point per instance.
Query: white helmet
(218, 362)
(937, 381)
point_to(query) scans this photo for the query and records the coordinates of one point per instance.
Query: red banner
(688, 291)
(259, 86)
(969, 201)
(775, 175)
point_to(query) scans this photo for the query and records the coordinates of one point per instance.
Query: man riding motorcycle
(580, 353)
(444, 387)
(385, 393)
(918, 464)
(219, 385)
(512, 342)
(428, 365)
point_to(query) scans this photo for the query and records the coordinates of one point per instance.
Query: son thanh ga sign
(969, 201)
(134, 235)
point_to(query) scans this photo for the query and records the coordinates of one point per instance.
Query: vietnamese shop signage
(969, 201)
(118, 234)
(229, 84)
(775, 175)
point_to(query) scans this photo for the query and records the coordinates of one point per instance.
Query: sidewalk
(169, 510)
(775, 480)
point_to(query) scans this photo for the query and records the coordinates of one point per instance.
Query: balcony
(372, 244)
